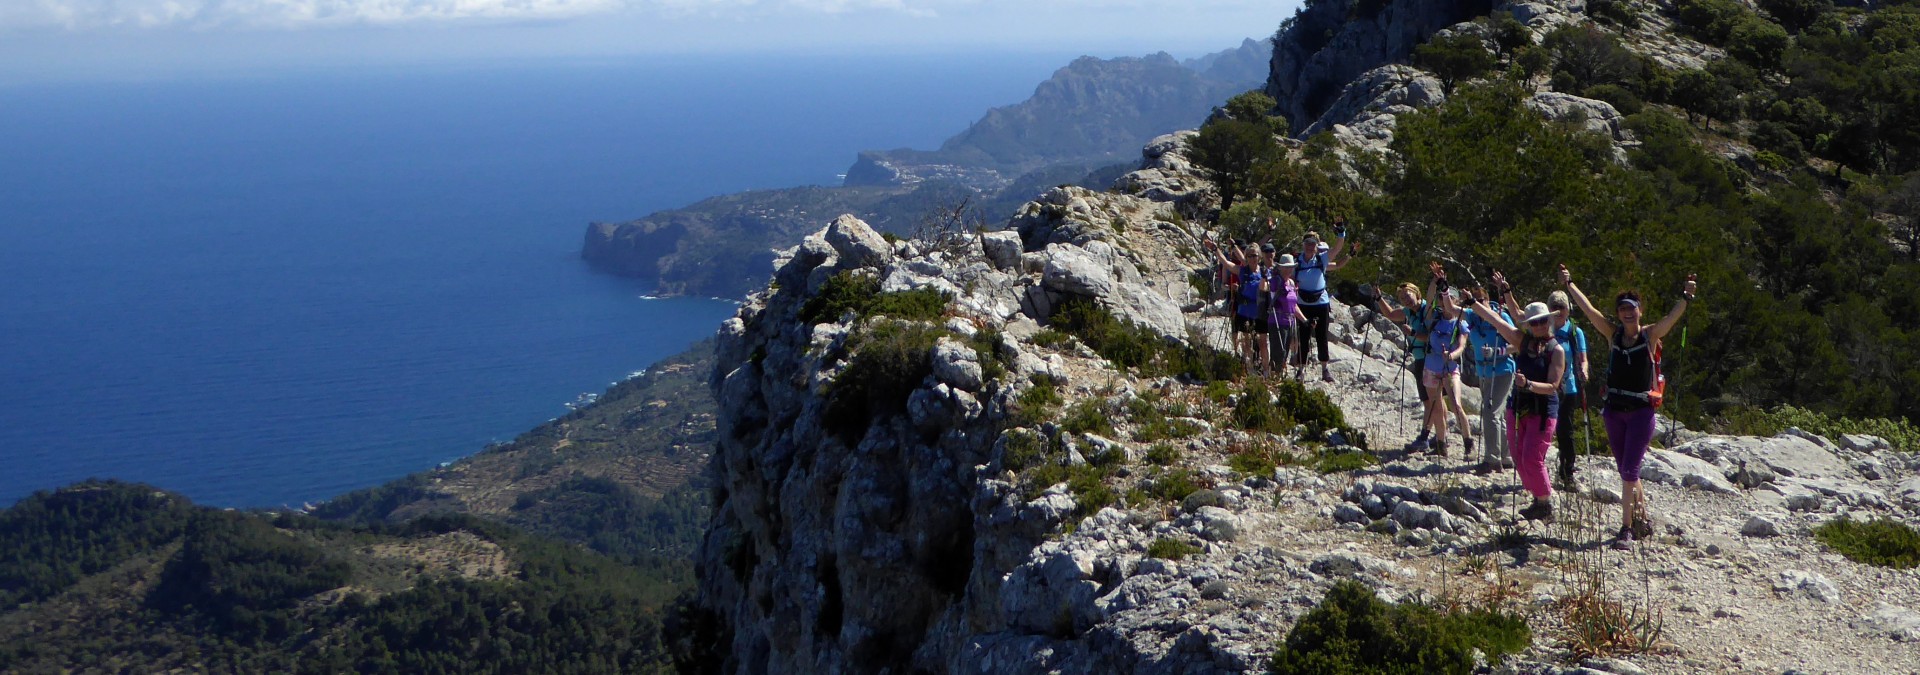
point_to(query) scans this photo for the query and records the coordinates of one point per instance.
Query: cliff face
(1332, 42)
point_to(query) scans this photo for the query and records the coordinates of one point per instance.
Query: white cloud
(202, 14)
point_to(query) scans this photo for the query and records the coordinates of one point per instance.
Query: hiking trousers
(1530, 436)
(1494, 392)
(1280, 345)
(1318, 318)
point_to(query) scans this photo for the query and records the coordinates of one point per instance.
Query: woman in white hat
(1534, 409)
(1284, 315)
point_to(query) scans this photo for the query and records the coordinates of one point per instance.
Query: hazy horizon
(93, 40)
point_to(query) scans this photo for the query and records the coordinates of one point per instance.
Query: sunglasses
(1537, 322)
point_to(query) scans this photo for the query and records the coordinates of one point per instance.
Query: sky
(57, 40)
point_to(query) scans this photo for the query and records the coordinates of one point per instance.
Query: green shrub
(1050, 338)
(889, 362)
(1130, 346)
(1882, 542)
(1162, 454)
(1621, 98)
(1252, 463)
(1173, 485)
(1024, 449)
(1036, 404)
(986, 347)
(1900, 434)
(1255, 412)
(1090, 493)
(1219, 392)
(1087, 417)
(847, 291)
(1353, 631)
(1335, 462)
(1171, 549)
(1617, 12)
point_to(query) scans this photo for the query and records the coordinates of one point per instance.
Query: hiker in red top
(1634, 391)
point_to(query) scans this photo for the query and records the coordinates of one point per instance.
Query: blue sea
(272, 289)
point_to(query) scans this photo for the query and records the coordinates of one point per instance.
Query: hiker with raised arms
(1633, 391)
(1488, 351)
(1230, 261)
(1534, 407)
(1415, 315)
(1447, 344)
(1316, 299)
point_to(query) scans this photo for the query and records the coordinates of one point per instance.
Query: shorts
(1243, 324)
(1430, 378)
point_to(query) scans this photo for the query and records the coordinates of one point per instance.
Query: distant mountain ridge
(1089, 117)
(1093, 111)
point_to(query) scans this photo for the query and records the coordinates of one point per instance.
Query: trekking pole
(1586, 428)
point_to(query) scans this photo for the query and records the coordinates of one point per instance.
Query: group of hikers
(1278, 303)
(1532, 373)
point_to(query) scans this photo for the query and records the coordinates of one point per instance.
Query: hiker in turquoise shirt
(1488, 355)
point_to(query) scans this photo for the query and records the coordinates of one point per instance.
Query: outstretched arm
(1486, 313)
(1600, 321)
(1672, 319)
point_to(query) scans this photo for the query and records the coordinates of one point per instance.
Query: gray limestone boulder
(1896, 622)
(957, 364)
(857, 243)
(1003, 249)
(1072, 270)
(1811, 585)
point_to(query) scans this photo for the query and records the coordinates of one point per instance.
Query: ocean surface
(269, 290)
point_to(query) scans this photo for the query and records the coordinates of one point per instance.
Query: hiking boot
(1468, 442)
(1642, 528)
(1622, 540)
(1486, 468)
(1439, 448)
(1326, 375)
(1565, 476)
(1542, 511)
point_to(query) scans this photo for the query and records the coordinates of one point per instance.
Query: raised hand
(1566, 277)
(1691, 287)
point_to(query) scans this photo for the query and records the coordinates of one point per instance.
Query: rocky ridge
(909, 545)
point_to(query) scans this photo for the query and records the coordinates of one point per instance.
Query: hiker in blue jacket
(1316, 298)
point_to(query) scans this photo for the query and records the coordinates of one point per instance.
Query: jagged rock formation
(1333, 42)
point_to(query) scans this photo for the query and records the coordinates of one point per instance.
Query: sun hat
(1285, 260)
(1536, 312)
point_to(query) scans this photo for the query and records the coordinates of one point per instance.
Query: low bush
(860, 294)
(1252, 463)
(1051, 339)
(889, 361)
(1162, 454)
(1087, 417)
(1336, 462)
(1170, 549)
(1353, 631)
(1899, 433)
(1881, 542)
(1172, 486)
(1130, 346)
(1037, 403)
(1023, 449)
